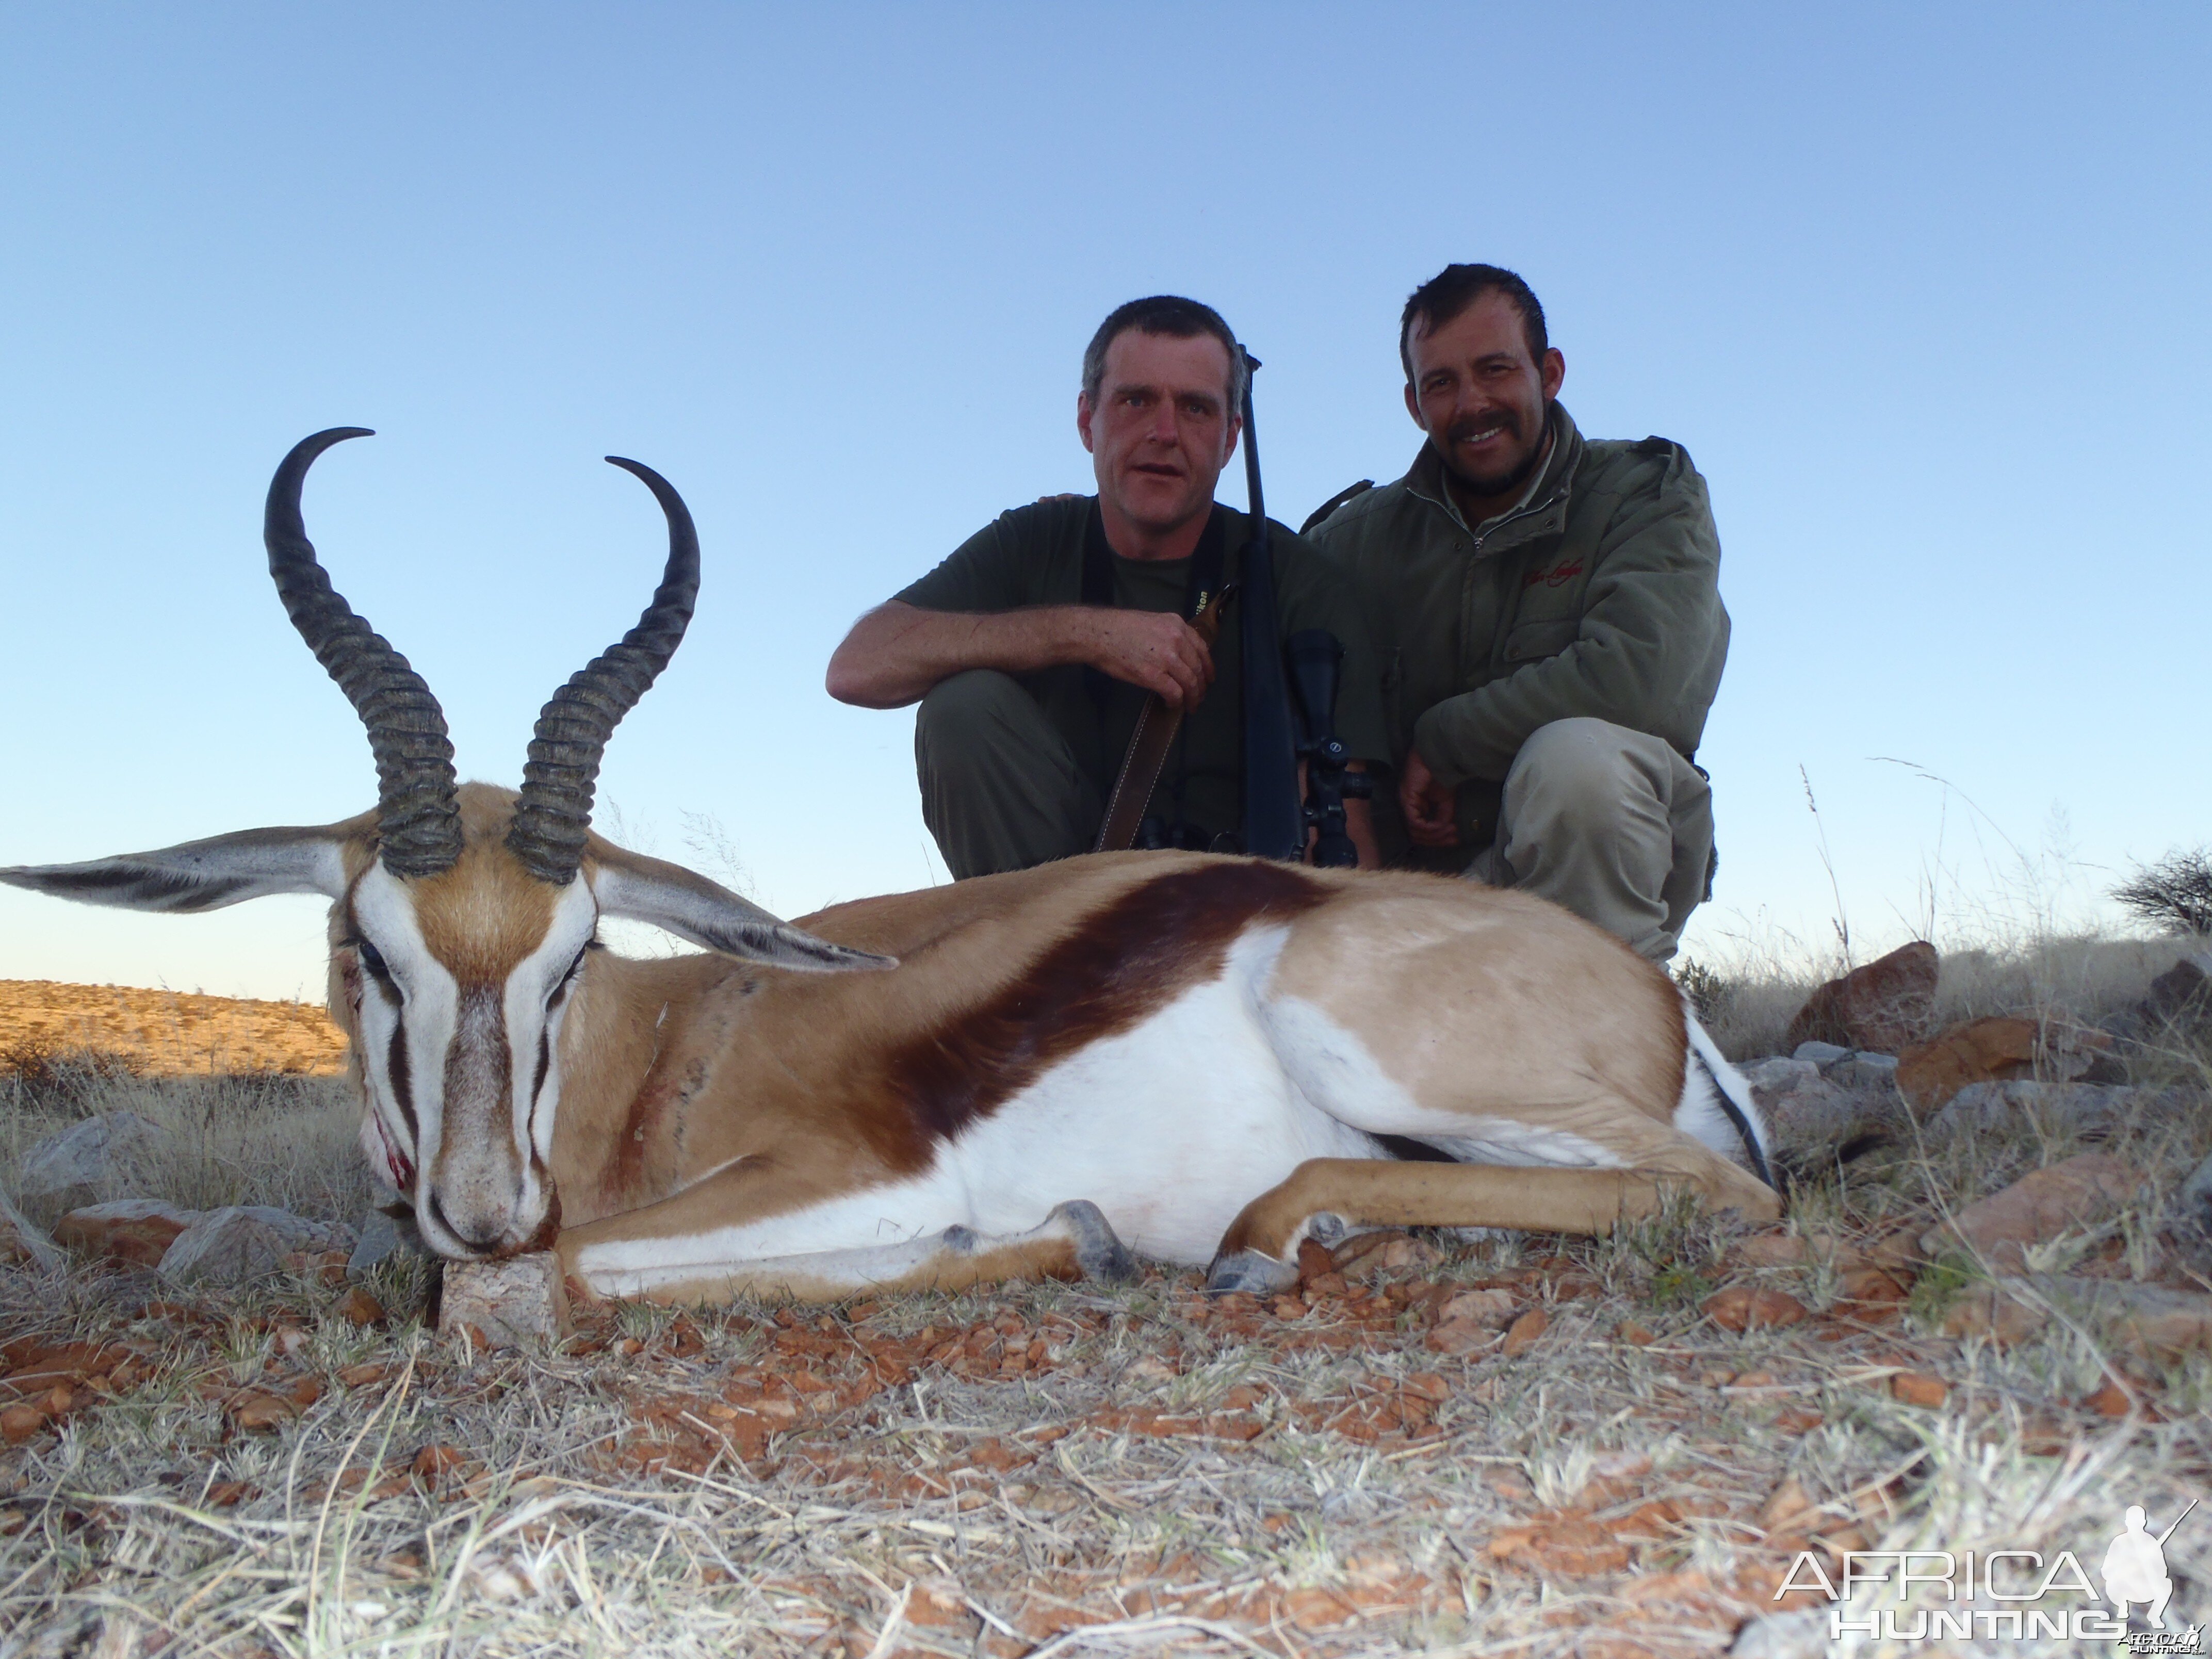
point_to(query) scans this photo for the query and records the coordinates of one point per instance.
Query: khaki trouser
(1000, 789)
(1614, 824)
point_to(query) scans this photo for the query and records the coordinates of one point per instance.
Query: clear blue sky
(1922, 289)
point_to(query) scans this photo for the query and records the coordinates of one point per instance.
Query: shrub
(2174, 895)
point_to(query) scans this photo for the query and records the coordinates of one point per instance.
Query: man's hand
(1431, 808)
(1156, 650)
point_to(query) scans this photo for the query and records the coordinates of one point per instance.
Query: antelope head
(462, 918)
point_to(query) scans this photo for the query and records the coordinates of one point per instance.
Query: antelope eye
(372, 959)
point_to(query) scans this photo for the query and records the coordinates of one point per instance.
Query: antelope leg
(1074, 1241)
(1260, 1250)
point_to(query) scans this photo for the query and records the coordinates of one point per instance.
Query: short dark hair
(1455, 287)
(1177, 318)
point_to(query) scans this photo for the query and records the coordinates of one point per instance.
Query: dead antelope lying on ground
(1198, 1058)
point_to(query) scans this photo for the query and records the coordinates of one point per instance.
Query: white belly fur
(1171, 1128)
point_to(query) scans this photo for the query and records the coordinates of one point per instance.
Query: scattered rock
(1375, 1255)
(1995, 1049)
(2064, 1106)
(22, 1242)
(1884, 1005)
(1919, 1388)
(136, 1230)
(2000, 1048)
(257, 1412)
(86, 1155)
(1996, 1313)
(1744, 1307)
(1863, 1071)
(1779, 1074)
(511, 1302)
(1773, 1251)
(1785, 1505)
(2181, 996)
(1820, 1054)
(1817, 1111)
(242, 1243)
(382, 1236)
(2038, 1207)
(2147, 1322)
(1522, 1334)
(358, 1307)
(1636, 1334)
(1470, 1321)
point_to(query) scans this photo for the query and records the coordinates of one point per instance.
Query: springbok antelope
(1201, 1058)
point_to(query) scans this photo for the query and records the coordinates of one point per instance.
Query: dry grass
(1752, 998)
(168, 1033)
(1055, 1470)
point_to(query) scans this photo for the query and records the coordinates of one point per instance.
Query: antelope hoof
(1250, 1272)
(1099, 1249)
(1326, 1227)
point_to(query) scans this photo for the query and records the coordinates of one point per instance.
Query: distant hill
(168, 1033)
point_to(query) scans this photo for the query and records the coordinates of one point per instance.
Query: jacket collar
(1546, 502)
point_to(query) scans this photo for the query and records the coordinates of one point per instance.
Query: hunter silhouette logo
(1957, 1590)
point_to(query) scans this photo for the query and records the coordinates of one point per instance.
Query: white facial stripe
(576, 917)
(431, 1009)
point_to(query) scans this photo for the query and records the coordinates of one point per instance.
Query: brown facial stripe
(403, 1086)
(1121, 964)
(480, 1026)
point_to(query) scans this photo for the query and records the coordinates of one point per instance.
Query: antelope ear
(691, 906)
(201, 875)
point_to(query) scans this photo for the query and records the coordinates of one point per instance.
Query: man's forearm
(896, 652)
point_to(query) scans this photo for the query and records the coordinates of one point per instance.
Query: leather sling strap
(1154, 734)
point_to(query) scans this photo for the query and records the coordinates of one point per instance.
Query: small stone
(1819, 1055)
(1743, 1308)
(2113, 1399)
(512, 1302)
(358, 1307)
(1864, 1072)
(1777, 1075)
(113, 1146)
(2152, 1323)
(1460, 1336)
(18, 1423)
(1883, 1006)
(2077, 1193)
(1773, 1251)
(1919, 1388)
(137, 1231)
(381, 1238)
(1491, 1308)
(1522, 1334)
(1993, 1313)
(258, 1412)
(1637, 1335)
(1785, 1505)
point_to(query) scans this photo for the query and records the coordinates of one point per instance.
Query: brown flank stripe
(1121, 964)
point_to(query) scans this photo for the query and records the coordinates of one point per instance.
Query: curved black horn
(556, 809)
(421, 825)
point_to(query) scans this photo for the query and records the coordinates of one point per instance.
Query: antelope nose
(476, 1234)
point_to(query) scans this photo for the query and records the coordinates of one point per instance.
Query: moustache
(1505, 419)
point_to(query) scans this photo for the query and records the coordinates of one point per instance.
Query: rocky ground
(1987, 1324)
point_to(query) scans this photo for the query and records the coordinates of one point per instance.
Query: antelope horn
(419, 821)
(556, 809)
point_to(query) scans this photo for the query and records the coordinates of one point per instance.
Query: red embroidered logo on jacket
(1558, 576)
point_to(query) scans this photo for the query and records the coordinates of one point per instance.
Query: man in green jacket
(1033, 647)
(1548, 614)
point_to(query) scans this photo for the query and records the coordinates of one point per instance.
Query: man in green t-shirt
(1033, 649)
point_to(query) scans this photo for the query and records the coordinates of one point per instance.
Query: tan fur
(701, 1092)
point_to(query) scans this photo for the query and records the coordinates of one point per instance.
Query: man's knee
(969, 719)
(1584, 771)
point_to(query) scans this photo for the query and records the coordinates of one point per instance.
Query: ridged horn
(571, 737)
(419, 823)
